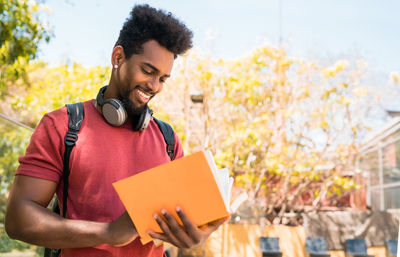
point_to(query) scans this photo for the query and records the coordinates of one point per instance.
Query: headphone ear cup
(114, 113)
(144, 120)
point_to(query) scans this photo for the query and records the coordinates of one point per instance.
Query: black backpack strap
(169, 138)
(76, 114)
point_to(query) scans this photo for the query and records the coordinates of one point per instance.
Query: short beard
(133, 112)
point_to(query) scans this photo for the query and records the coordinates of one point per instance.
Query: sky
(85, 31)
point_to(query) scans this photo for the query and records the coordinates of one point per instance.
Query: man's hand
(186, 236)
(122, 231)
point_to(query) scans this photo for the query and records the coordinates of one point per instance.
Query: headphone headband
(100, 96)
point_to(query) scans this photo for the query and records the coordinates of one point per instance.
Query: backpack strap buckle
(70, 138)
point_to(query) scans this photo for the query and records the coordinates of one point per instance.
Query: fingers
(173, 232)
(186, 236)
(190, 227)
(167, 235)
(159, 236)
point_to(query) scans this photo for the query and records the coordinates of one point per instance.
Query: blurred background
(299, 99)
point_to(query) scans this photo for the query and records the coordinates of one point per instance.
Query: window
(375, 199)
(370, 163)
(390, 156)
(385, 163)
(392, 199)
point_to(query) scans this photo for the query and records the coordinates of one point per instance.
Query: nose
(155, 85)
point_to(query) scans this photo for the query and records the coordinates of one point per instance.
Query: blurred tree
(287, 128)
(20, 34)
(50, 88)
(296, 127)
(13, 141)
(53, 87)
(21, 31)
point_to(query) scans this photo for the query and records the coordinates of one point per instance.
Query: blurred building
(380, 163)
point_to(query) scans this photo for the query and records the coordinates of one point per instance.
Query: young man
(96, 222)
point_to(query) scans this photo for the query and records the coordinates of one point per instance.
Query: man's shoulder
(170, 135)
(162, 126)
(59, 117)
(158, 121)
(62, 112)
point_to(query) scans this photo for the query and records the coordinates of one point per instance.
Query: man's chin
(140, 106)
(137, 110)
(133, 108)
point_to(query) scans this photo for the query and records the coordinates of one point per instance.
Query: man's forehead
(158, 56)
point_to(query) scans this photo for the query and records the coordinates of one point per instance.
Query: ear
(117, 56)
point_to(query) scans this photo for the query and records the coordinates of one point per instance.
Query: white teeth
(143, 94)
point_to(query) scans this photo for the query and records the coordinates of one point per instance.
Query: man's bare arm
(28, 220)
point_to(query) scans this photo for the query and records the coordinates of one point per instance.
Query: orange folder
(189, 182)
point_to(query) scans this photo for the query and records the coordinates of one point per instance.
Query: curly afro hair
(146, 23)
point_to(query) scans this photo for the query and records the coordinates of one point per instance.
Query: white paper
(225, 184)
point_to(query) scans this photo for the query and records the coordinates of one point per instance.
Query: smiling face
(139, 78)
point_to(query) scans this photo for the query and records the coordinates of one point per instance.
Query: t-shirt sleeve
(178, 149)
(43, 155)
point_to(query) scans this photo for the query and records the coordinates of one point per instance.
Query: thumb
(218, 222)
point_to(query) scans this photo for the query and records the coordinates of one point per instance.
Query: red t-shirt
(103, 154)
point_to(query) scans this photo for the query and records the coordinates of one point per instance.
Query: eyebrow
(154, 68)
